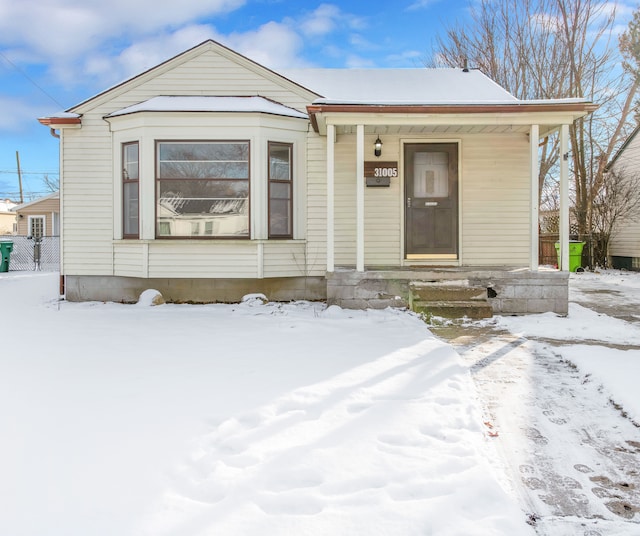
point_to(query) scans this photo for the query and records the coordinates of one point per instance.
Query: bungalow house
(210, 176)
(624, 246)
(40, 217)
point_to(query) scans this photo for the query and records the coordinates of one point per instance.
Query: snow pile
(150, 297)
(233, 419)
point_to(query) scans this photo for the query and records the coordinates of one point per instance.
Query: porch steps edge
(474, 309)
(446, 291)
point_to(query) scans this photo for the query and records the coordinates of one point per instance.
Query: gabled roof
(354, 91)
(54, 195)
(623, 147)
(209, 44)
(210, 104)
(400, 86)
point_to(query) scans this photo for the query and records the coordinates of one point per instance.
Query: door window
(431, 174)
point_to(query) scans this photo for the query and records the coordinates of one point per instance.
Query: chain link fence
(34, 254)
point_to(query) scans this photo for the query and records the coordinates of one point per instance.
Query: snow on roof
(401, 86)
(63, 115)
(210, 104)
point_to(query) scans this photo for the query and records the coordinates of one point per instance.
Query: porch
(506, 290)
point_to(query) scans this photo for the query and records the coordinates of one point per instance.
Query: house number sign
(380, 173)
(380, 169)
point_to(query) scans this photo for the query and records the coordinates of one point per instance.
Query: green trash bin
(5, 252)
(575, 254)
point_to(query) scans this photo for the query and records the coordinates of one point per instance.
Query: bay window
(202, 189)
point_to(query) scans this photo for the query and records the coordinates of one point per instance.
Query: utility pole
(19, 177)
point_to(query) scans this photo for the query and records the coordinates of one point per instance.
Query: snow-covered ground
(256, 419)
(562, 396)
(601, 334)
(247, 419)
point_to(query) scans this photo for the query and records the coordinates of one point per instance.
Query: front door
(431, 197)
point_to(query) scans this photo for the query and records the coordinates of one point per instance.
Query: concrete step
(474, 309)
(446, 291)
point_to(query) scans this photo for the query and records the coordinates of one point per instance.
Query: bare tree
(50, 183)
(557, 49)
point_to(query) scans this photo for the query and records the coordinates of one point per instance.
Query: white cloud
(356, 62)
(274, 45)
(18, 115)
(322, 21)
(421, 4)
(325, 19)
(68, 29)
(99, 43)
(142, 55)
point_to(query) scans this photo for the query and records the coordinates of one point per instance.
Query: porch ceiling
(436, 129)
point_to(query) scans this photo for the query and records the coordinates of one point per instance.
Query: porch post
(331, 134)
(360, 198)
(564, 198)
(534, 139)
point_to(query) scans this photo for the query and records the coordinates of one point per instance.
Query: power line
(30, 79)
(15, 172)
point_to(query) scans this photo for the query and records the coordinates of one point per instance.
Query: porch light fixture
(377, 147)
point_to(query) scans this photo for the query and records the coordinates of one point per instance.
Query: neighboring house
(624, 246)
(40, 217)
(7, 217)
(210, 176)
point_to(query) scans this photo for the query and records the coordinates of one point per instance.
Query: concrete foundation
(128, 289)
(510, 291)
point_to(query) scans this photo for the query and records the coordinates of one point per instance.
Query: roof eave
(573, 109)
(60, 122)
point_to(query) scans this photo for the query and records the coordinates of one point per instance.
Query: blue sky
(57, 53)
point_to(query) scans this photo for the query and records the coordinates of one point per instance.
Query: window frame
(157, 180)
(288, 182)
(30, 221)
(126, 180)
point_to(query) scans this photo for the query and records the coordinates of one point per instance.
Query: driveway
(568, 453)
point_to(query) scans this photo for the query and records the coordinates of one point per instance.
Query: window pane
(279, 162)
(130, 163)
(280, 185)
(37, 227)
(280, 217)
(203, 207)
(211, 160)
(431, 174)
(203, 170)
(131, 208)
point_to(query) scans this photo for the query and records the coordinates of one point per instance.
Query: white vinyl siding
(87, 200)
(284, 259)
(625, 239)
(129, 260)
(206, 259)
(316, 204)
(496, 208)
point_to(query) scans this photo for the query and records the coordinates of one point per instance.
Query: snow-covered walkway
(563, 404)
